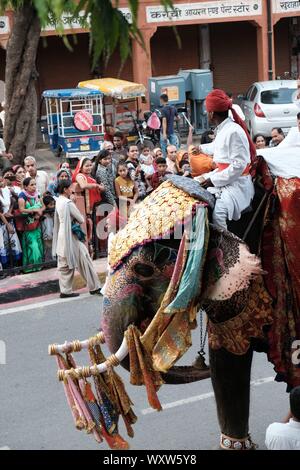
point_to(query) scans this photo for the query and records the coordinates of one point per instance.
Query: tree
(108, 30)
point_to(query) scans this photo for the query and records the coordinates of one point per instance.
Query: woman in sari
(31, 205)
(62, 174)
(20, 175)
(89, 186)
(10, 248)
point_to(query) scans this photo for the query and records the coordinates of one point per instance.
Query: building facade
(241, 41)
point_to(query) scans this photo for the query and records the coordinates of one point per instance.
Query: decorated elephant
(167, 264)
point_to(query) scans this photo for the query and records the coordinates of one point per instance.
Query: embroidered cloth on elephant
(233, 283)
(280, 257)
(234, 334)
(167, 210)
(168, 336)
(230, 266)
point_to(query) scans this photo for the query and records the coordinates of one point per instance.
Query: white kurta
(42, 181)
(283, 436)
(75, 214)
(292, 139)
(230, 146)
(65, 243)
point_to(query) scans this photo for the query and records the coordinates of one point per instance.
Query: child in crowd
(185, 169)
(126, 189)
(47, 225)
(135, 172)
(160, 175)
(146, 161)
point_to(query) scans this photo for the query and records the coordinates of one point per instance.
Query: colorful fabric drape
(141, 369)
(280, 258)
(98, 416)
(168, 336)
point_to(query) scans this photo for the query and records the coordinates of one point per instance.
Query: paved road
(34, 413)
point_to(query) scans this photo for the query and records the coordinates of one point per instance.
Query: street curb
(29, 291)
(44, 287)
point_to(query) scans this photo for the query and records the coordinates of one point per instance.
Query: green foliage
(109, 28)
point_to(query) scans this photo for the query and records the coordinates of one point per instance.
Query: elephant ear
(230, 267)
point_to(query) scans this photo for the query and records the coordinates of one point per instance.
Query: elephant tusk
(75, 346)
(84, 372)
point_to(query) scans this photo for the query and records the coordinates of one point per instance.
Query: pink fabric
(153, 121)
(238, 277)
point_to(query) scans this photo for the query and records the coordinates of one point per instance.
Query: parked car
(270, 104)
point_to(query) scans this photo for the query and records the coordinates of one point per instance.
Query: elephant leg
(230, 375)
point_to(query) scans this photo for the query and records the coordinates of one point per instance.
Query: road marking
(46, 303)
(203, 396)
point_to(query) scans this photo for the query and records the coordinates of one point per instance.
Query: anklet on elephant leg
(232, 443)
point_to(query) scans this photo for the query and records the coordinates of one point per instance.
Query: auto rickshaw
(121, 105)
(75, 123)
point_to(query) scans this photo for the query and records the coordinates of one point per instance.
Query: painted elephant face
(135, 290)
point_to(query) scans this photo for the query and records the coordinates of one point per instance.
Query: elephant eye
(143, 270)
(162, 256)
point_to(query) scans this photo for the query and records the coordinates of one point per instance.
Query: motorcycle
(142, 133)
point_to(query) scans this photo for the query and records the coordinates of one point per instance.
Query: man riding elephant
(233, 152)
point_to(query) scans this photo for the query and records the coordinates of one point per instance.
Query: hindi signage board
(204, 10)
(286, 6)
(127, 13)
(81, 22)
(4, 25)
(69, 23)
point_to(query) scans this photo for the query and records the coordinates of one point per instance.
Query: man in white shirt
(171, 158)
(40, 176)
(232, 152)
(286, 436)
(293, 137)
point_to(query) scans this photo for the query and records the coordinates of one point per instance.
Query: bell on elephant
(199, 362)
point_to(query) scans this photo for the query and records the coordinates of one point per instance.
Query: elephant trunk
(116, 321)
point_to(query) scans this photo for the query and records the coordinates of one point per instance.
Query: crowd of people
(121, 176)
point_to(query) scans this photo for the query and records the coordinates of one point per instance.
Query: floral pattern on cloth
(235, 333)
(230, 266)
(280, 258)
(164, 210)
